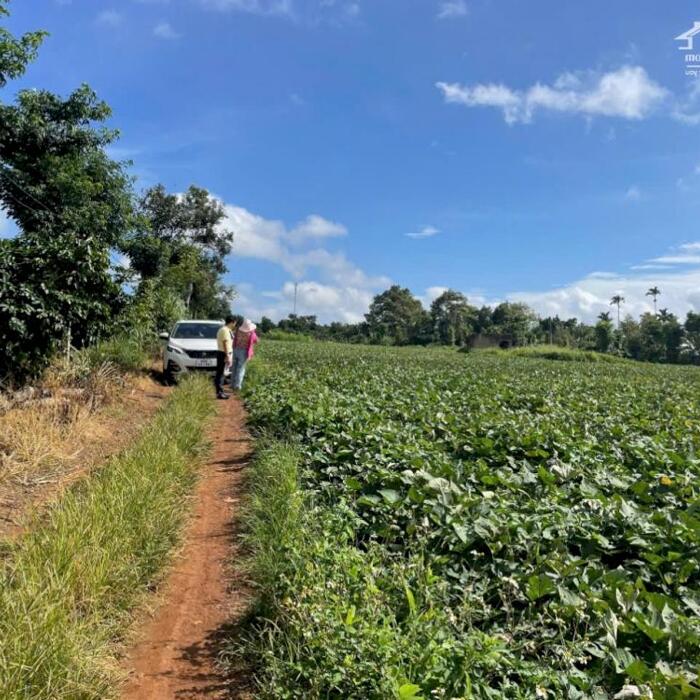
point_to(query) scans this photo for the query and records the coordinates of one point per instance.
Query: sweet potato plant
(551, 510)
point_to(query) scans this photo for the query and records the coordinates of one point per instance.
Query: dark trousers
(219, 376)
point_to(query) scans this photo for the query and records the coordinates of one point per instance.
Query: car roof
(196, 320)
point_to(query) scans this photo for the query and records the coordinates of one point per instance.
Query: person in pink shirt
(244, 340)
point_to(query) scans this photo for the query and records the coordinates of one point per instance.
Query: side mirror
(164, 336)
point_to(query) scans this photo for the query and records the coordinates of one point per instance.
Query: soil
(110, 430)
(205, 594)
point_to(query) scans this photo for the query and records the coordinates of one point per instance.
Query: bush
(125, 352)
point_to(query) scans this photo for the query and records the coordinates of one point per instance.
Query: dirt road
(175, 655)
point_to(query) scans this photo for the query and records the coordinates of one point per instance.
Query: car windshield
(195, 330)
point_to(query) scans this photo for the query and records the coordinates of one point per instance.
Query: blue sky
(546, 152)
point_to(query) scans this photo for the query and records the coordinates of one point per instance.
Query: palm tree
(617, 300)
(665, 314)
(604, 316)
(653, 292)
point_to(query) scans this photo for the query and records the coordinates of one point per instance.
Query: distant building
(480, 341)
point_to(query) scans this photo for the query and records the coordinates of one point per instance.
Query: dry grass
(72, 421)
(40, 438)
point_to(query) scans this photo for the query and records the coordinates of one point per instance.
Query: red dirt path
(204, 595)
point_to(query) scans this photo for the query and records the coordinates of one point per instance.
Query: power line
(22, 204)
(6, 174)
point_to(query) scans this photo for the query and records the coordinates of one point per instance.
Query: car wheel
(168, 378)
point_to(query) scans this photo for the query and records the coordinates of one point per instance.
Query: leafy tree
(628, 339)
(394, 316)
(651, 338)
(673, 337)
(266, 324)
(484, 320)
(452, 318)
(16, 52)
(179, 239)
(604, 333)
(71, 204)
(298, 324)
(516, 319)
(690, 346)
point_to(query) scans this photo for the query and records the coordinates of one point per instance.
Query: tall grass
(67, 588)
(553, 352)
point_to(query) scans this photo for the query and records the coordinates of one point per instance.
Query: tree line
(397, 317)
(93, 258)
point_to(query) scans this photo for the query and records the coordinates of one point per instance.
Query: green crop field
(483, 525)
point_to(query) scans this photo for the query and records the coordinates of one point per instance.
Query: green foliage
(515, 319)
(16, 53)
(604, 334)
(541, 514)
(394, 316)
(72, 204)
(178, 241)
(452, 318)
(68, 586)
(554, 352)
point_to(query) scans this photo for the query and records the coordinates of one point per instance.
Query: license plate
(205, 363)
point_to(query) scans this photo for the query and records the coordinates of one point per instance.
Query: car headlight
(171, 348)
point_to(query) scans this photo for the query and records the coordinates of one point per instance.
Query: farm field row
(482, 526)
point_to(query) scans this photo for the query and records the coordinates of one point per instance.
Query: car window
(195, 330)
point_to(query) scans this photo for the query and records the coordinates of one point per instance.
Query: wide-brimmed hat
(247, 326)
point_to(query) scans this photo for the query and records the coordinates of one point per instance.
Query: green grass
(554, 352)
(279, 334)
(125, 352)
(68, 587)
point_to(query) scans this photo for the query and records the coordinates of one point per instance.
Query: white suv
(190, 347)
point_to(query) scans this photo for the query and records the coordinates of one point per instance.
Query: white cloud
(110, 18)
(677, 274)
(332, 287)
(255, 237)
(633, 194)
(164, 30)
(265, 239)
(626, 93)
(686, 254)
(255, 7)
(687, 110)
(338, 289)
(315, 227)
(452, 8)
(425, 232)
(586, 298)
(651, 266)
